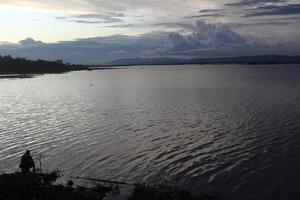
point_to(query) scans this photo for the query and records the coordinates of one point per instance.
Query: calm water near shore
(228, 130)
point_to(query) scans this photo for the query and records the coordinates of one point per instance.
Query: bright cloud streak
(137, 16)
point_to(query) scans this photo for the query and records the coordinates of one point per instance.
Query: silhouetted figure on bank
(27, 162)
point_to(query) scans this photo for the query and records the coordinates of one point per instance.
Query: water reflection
(230, 130)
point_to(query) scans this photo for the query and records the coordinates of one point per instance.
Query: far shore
(6, 76)
(22, 68)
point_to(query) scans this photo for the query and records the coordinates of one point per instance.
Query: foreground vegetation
(39, 186)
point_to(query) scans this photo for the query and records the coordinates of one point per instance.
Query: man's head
(27, 152)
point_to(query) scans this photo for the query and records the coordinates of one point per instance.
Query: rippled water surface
(227, 130)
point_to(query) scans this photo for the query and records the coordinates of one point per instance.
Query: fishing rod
(101, 180)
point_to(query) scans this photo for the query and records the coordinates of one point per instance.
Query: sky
(99, 31)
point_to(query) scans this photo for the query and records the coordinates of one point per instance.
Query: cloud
(90, 50)
(116, 11)
(213, 35)
(204, 40)
(256, 8)
(99, 6)
(254, 2)
(207, 40)
(30, 42)
(256, 24)
(291, 9)
(211, 10)
(105, 17)
(119, 25)
(208, 13)
(66, 6)
(94, 18)
(204, 15)
(182, 25)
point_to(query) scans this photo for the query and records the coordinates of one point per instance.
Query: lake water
(228, 130)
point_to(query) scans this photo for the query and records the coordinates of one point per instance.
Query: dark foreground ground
(40, 186)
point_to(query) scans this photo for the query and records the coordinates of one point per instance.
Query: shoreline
(42, 185)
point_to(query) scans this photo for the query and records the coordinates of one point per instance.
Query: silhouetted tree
(9, 65)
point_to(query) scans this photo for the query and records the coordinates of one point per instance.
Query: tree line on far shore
(9, 65)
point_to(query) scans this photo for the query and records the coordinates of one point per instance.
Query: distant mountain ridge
(262, 59)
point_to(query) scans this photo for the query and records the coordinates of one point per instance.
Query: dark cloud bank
(258, 8)
(205, 40)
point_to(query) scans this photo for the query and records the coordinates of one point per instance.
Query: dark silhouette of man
(27, 162)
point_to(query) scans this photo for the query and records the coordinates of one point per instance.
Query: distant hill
(9, 65)
(263, 59)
